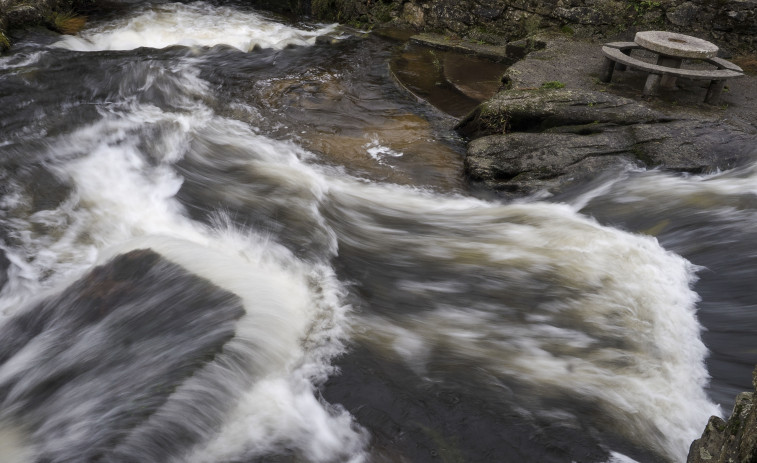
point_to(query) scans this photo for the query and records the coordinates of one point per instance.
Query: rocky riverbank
(555, 125)
(732, 23)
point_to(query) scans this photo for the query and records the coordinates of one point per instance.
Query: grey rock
(523, 163)
(581, 15)
(729, 441)
(684, 15)
(529, 140)
(4, 265)
(127, 347)
(532, 110)
(691, 146)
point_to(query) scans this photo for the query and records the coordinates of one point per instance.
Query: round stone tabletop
(673, 44)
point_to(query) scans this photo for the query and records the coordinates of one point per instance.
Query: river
(388, 313)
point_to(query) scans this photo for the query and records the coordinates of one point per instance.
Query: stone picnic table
(671, 49)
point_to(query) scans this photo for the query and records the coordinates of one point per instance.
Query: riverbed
(394, 315)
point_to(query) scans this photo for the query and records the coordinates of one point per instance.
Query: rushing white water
(619, 328)
(533, 293)
(194, 24)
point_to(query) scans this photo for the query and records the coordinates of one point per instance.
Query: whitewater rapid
(534, 294)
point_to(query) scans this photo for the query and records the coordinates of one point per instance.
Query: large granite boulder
(732, 441)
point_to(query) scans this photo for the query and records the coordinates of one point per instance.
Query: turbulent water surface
(322, 286)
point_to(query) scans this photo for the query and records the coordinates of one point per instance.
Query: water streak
(537, 306)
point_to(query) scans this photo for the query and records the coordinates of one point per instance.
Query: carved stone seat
(617, 56)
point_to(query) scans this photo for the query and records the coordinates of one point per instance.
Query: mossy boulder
(732, 441)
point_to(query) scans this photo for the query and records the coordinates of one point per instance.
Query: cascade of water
(590, 325)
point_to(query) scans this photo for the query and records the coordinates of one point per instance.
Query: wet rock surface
(734, 440)
(4, 265)
(557, 126)
(138, 330)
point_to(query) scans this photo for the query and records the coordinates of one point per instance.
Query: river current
(388, 313)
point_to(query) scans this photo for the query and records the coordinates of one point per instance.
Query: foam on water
(622, 332)
(194, 24)
(722, 189)
(13, 443)
(378, 152)
(124, 198)
(609, 317)
(616, 324)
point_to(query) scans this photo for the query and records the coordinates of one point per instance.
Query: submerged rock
(119, 366)
(4, 265)
(729, 441)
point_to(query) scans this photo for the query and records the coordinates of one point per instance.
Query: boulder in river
(729, 441)
(121, 365)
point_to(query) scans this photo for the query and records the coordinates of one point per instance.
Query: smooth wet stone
(115, 364)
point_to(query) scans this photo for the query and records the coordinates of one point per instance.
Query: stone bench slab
(619, 53)
(618, 56)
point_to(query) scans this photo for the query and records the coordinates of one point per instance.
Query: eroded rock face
(732, 441)
(526, 140)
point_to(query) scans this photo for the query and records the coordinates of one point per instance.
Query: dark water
(331, 291)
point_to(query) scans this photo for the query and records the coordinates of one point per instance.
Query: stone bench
(617, 55)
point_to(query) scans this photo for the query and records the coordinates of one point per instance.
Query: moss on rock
(734, 440)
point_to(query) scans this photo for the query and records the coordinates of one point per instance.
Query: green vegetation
(567, 30)
(643, 6)
(4, 42)
(324, 9)
(68, 22)
(553, 85)
(382, 12)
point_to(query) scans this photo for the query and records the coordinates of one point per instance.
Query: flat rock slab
(524, 163)
(531, 140)
(538, 109)
(500, 53)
